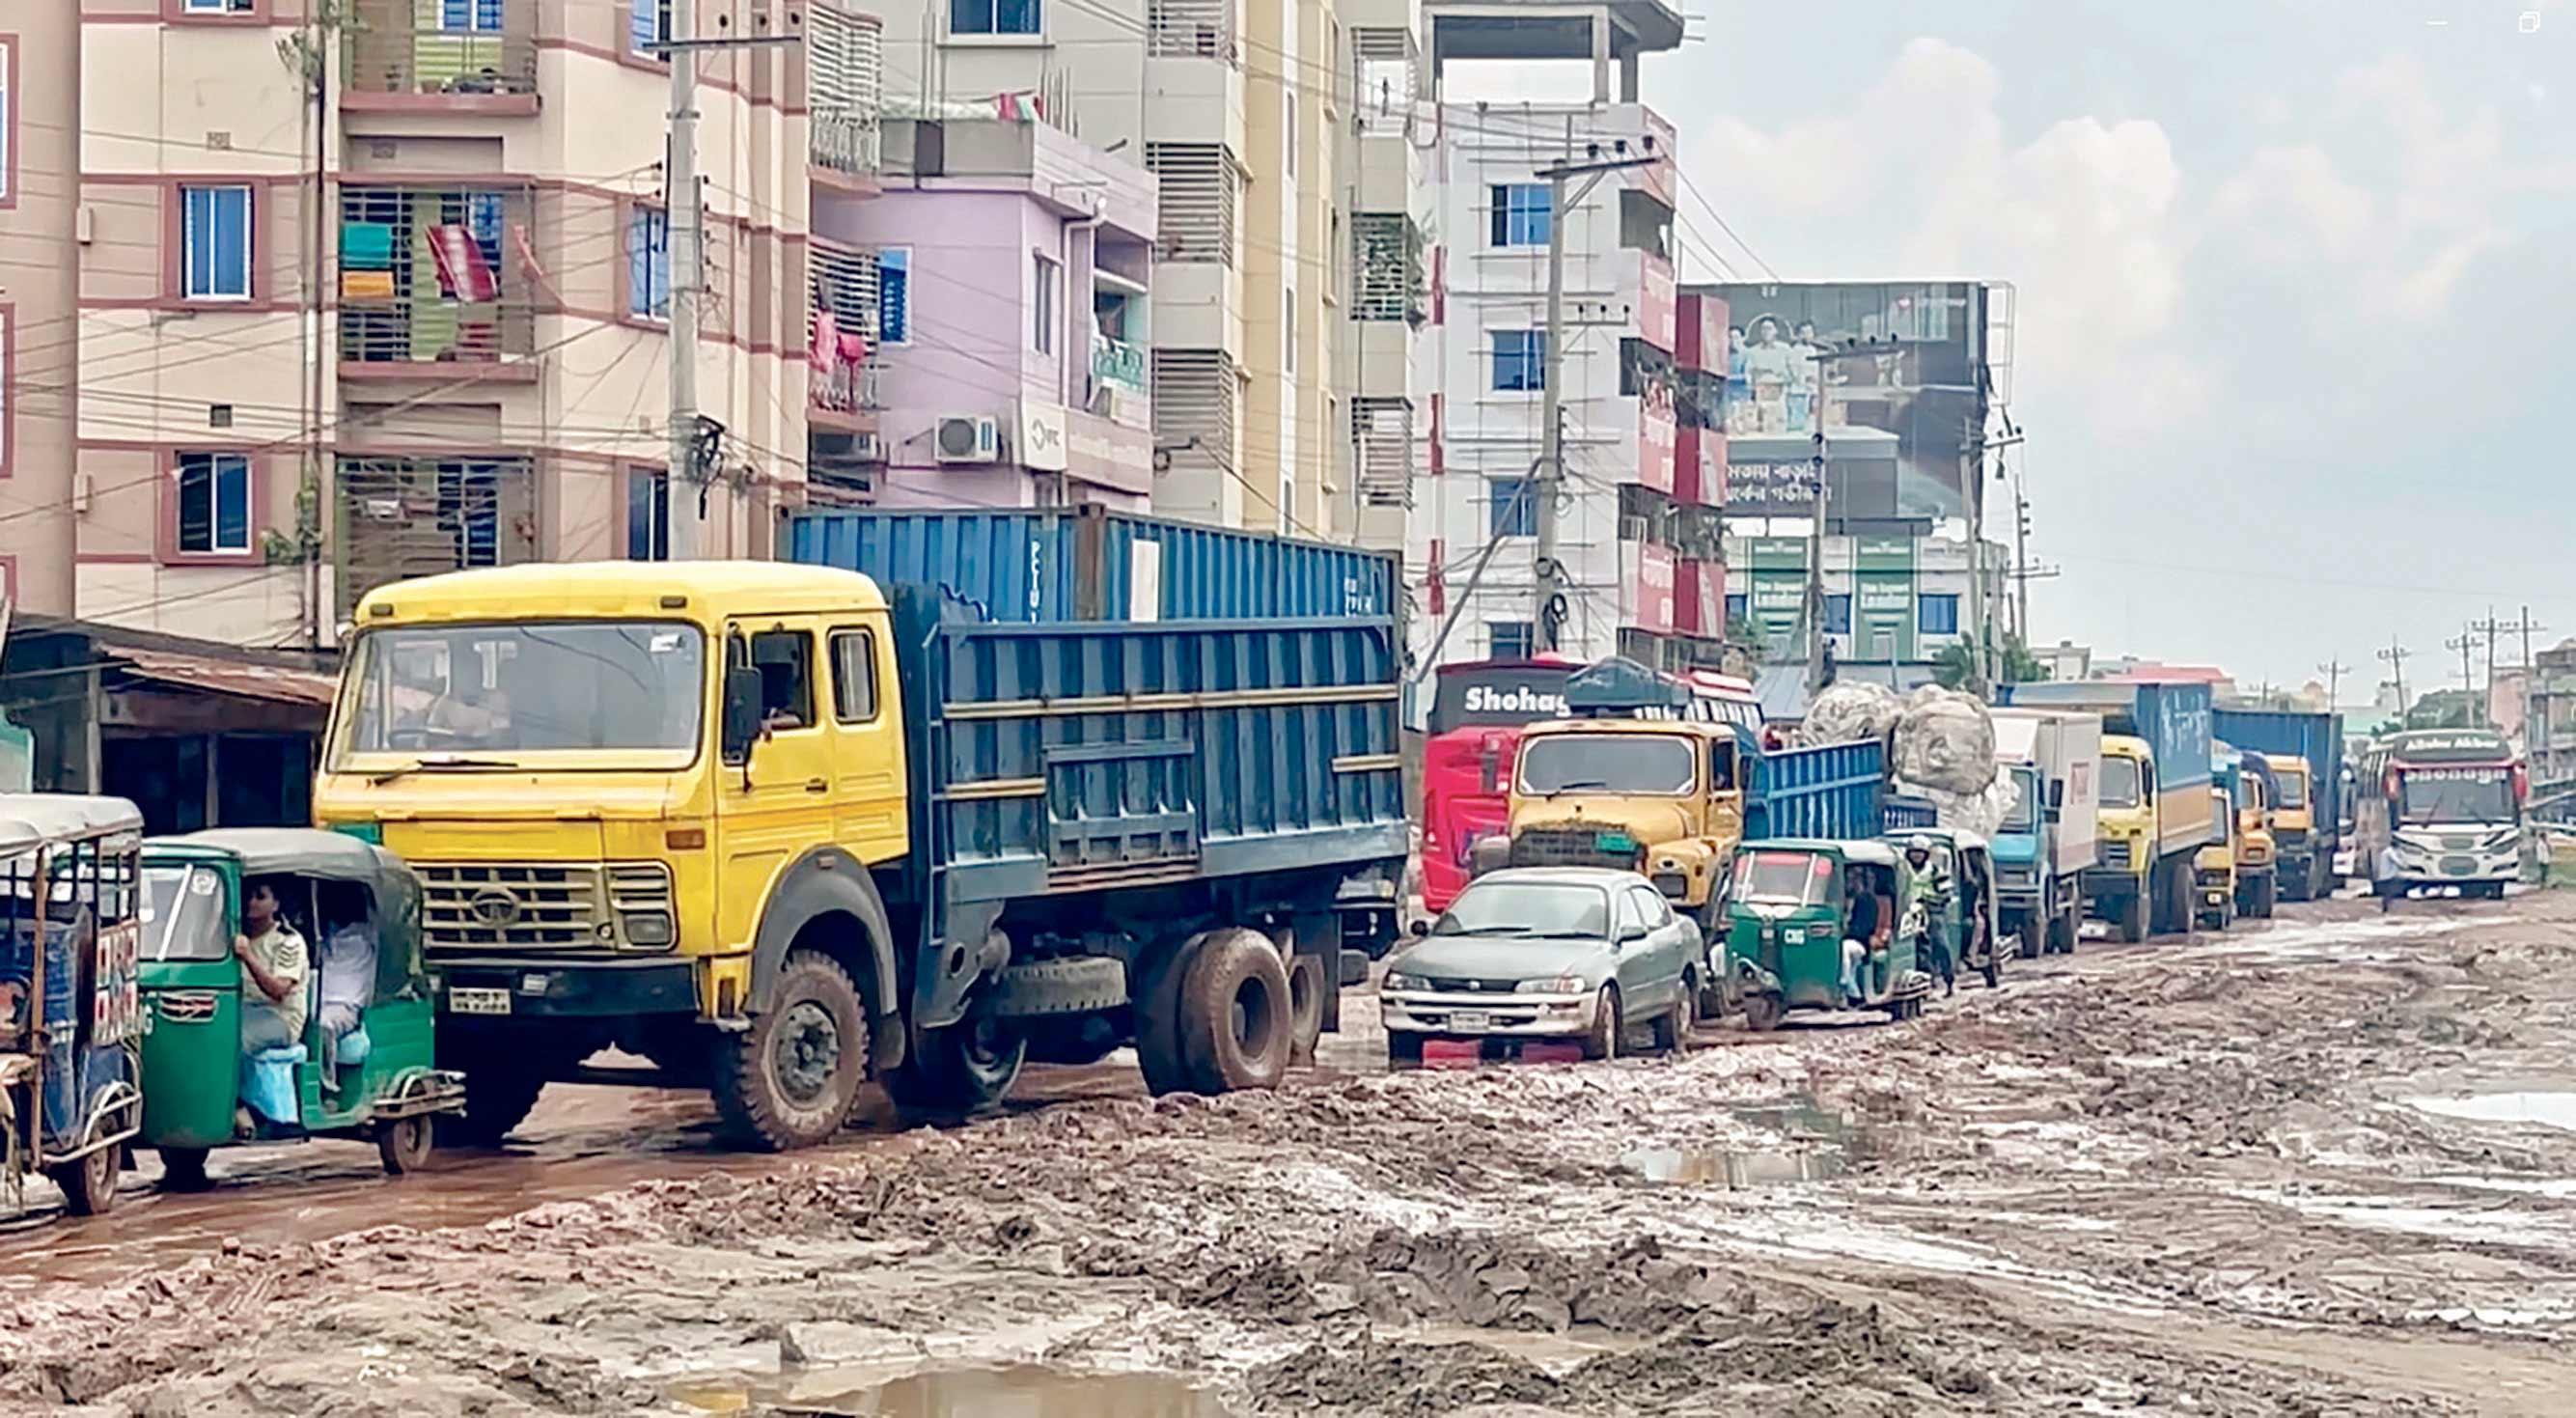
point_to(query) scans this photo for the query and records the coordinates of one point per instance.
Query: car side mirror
(1420, 929)
(741, 727)
(1630, 933)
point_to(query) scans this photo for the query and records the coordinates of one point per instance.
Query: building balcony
(844, 291)
(428, 284)
(1118, 364)
(1194, 29)
(846, 150)
(845, 67)
(451, 56)
(404, 517)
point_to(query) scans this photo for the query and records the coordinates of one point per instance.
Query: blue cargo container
(1835, 790)
(2172, 716)
(2307, 865)
(1036, 566)
(1097, 796)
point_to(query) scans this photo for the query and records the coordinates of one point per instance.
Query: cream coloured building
(243, 385)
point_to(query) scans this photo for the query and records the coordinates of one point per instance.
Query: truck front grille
(1565, 847)
(537, 906)
(2116, 854)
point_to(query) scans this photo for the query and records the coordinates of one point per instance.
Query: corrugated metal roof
(269, 682)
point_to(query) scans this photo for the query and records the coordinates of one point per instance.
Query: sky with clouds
(2296, 344)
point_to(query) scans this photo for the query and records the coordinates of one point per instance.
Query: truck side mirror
(2056, 794)
(741, 727)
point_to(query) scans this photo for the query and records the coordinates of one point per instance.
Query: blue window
(648, 515)
(1737, 608)
(1521, 214)
(478, 16)
(894, 295)
(1936, 615)
(992, 16)
(1520, 359)
(648, 23)
(1509, 640)
(1838, 615)
(214, 242)
(214, 504)
(1514, 509)
(648, 263)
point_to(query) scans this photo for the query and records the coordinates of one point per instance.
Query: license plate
(1468, 1021)
(461, 1000)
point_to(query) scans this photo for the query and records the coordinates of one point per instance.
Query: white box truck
(2054, 757)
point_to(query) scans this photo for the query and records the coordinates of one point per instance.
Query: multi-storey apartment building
(380, 288)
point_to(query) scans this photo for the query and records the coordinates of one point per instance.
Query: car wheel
(1604, 1040)
(1670, 1025)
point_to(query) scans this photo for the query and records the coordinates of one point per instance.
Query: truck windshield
(2294, 789)
(2023, 816)
(523, 687)
(1607, 763)
(183, 914)
(2119, 782)
(2456, 795)
(1791, 877)
(1530, 908)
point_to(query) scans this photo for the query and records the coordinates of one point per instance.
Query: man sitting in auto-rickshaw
(274, 963)
(1928, 891)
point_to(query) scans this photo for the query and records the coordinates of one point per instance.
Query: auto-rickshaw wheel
(183, 1169)
(89, 1185)
(1762, 1012)
(404, 1144)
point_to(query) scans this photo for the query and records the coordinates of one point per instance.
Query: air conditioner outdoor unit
(969, 439)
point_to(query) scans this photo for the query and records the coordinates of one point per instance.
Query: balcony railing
(846, 142)
(405, 517)
(465, 50)
(1118, 364)
(428, 276)
(1193, 29)
(845, 73)
(842, 314)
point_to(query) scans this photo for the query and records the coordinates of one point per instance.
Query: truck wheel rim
(805, 1052)
(1253, 1017)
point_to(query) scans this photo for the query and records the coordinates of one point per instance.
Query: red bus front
(1475, 728)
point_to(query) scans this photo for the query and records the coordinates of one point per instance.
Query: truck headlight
(646, 927)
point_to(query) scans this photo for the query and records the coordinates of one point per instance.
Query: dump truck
(2047, 840)
(783, 830)
(2306, 756)
(2156, 809)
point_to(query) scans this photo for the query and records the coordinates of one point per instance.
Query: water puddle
(1022, 1391)
(2557, 1110)
(1732, 1168)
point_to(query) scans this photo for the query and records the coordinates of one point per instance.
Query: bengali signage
(1656, 437)
(1650, 599)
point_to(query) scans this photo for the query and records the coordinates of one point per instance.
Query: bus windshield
(2119, 782)
(2427, 795)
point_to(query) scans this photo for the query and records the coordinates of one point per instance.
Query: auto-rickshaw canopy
(313, 854)
(30, 820)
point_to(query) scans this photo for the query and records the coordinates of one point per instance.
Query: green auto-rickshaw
(1974, 928)
(1788, 909)
(364, 1067)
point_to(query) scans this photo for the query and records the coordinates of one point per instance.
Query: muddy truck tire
(1235, 1018)
(790, 1079)
(2133, 918)
(1157, 996)
(965, 1068)
(1307, 986)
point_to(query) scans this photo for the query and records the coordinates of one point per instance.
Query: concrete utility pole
(2333, 671)
(1548, 578)
(1988, 661)
(2395, 658)
(685, 232)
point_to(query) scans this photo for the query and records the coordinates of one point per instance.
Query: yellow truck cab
(783, 831)
(2125, 838)
(2293, 810)
(2214, 868)
(2258, 887)
(1661, 797)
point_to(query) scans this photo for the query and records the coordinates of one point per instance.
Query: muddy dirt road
(2327, 1167)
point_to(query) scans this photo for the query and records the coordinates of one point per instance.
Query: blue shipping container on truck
(2172, 716)
(1031, 566)
(2318, 738)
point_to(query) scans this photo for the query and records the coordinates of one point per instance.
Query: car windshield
(475, 690)
(2023, 816)
(1607, 763)
(2456, 795)
(1791, 878)
(1539, 909)
(2119, 782)
(183, 914)
(2294, 789)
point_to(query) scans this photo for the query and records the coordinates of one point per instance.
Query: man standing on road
(1859, 934)
(1927, 888)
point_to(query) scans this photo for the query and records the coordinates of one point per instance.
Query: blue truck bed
(1076, 757)
(1083, 564)
(2172, 716)
(1836, 790)
(2318, 738)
